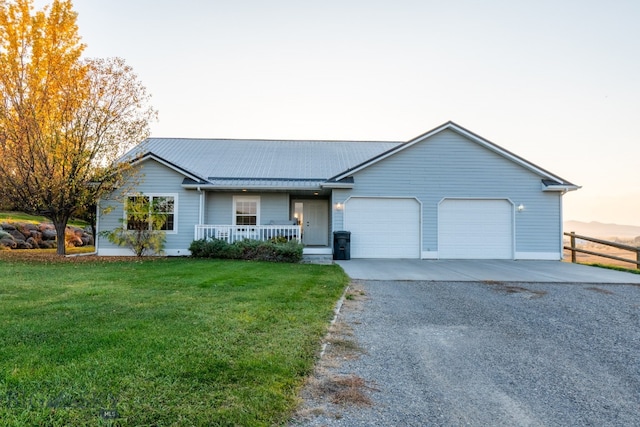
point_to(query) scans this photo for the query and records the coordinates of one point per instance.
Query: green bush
(255, 250)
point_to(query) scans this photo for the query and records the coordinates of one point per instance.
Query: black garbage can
(341, 245)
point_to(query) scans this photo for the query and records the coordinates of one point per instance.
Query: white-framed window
(163, 205)
(246, 210)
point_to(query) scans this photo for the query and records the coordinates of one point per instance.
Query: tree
(142, 230)
(64, 120)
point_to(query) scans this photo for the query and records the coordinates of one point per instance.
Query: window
(151, 211)
(246, 210)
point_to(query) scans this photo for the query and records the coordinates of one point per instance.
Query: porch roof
(255, 184)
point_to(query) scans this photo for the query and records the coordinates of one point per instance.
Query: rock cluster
(24, 235)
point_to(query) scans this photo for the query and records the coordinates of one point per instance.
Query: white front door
(314, 219)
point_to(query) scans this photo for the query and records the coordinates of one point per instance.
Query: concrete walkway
(482, 270)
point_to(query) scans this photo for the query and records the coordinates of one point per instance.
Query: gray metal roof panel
(267, 159)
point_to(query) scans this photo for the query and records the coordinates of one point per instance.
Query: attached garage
(475, 229)
(383, 227)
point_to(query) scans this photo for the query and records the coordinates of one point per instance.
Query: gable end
(567, 186)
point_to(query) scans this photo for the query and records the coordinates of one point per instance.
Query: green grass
(164, 342)
(615, 267)
(34, 219)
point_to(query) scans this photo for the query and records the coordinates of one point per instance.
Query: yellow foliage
(63, 120)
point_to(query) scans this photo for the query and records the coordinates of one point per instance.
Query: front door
(314, 219)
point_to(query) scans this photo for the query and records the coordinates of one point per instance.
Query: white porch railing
(231, 233)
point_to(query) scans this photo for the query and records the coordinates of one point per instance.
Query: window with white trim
(161, 205)
(246, 210)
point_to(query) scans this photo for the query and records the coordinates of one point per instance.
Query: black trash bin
(341, 245)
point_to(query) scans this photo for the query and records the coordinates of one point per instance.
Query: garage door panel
(383, 228)
(475, 229)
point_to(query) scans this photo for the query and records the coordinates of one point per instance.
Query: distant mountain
(601, 230)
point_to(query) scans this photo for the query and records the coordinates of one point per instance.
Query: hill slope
(602, 230)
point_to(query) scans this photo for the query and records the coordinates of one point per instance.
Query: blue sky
(556, 82)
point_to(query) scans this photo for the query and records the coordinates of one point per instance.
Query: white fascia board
(338, 185)
(561, 188)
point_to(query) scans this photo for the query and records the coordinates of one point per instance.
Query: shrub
(255, 250)
(142, 230)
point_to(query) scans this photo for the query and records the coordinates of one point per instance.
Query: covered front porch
(303, 216)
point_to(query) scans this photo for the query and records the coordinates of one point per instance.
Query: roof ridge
(274, 140)
(264, 178)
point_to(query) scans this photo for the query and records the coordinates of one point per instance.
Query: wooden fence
(573, 248)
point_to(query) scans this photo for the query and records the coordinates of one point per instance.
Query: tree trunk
(61, 227)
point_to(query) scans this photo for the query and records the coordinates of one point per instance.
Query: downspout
(96, 238)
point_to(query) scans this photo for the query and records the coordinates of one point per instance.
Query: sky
(556, 82)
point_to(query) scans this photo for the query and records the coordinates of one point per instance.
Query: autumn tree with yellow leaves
(64, 120)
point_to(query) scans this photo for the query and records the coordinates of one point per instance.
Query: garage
(383, 227)
(475, 229)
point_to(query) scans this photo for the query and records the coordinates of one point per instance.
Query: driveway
(482, 270)
(480, 351)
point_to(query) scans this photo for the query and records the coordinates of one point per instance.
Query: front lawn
(159, 342)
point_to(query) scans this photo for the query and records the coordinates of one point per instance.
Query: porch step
(317, 259)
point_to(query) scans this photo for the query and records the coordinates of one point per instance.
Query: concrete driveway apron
(482, 270)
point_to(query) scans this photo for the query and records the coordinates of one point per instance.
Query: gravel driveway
(478, 354)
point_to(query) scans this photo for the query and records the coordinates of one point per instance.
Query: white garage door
(475, 229)
(383, 228)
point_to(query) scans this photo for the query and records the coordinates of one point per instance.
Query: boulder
(8, 242)
(48, 234)
(6, 226)
(29, 226)
(21, 244)
(17, 234)
(47, 244)
(87, 240)
(34, 244)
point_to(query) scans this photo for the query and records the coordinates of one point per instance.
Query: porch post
(201, 208)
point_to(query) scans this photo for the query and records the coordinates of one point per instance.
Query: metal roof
(250, 163)
(278, 160)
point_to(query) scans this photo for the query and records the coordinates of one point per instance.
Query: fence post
(573, 246)
(638, 258)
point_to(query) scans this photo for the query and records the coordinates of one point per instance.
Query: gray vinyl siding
(155, 178)
(273, 207)
(448, 165)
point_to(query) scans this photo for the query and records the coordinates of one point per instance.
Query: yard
(158, 342)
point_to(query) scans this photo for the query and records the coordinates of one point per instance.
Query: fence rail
(231, 233)
(573, 248)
